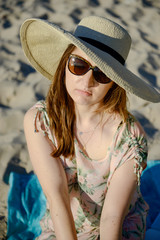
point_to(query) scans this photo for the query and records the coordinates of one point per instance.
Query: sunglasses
(79, 66)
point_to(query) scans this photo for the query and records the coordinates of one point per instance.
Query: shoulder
(29, 118)
(37, 118)
(40, 106)
(30, 114)
(131, 137)
(133, 128)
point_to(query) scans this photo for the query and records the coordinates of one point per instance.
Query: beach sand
(21, 86)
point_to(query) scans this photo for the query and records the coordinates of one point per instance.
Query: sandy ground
(21, 86)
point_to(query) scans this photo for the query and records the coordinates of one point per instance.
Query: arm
(52, 178)
(116, 204)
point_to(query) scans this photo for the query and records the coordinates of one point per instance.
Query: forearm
(111, 228)
(62, 218)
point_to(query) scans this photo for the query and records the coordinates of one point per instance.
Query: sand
(21, 86)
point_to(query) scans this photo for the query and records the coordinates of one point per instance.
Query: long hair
(61, 110)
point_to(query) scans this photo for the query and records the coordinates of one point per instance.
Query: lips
(84, 92)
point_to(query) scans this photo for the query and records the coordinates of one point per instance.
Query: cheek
(104, 89)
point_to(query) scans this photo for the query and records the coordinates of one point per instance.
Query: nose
(88, 79)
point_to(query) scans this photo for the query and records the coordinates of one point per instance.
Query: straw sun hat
(105, 42)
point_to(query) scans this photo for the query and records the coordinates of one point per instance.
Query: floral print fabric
(89, 179)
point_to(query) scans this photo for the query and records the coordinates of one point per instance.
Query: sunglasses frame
(90, 67)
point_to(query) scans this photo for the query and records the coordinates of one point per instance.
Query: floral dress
(88, 181)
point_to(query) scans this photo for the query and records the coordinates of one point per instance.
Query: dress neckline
(81, 150)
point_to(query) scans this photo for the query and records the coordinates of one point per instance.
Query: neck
(86, 115)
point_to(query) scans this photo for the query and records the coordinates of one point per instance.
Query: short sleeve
(41, 120)
(131, 143)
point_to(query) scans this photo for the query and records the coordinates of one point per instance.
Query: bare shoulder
(29, 125)
(29, 116)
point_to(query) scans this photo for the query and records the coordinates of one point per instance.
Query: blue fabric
(150, 189)
(26, 206)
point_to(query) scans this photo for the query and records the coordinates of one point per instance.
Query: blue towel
(26, 206)
(150, 189)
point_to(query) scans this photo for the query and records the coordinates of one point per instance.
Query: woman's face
(84, 90)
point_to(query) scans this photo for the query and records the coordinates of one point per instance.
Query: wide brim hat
(105, 42)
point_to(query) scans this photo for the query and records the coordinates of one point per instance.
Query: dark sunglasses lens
(77, 66)
(100, 77)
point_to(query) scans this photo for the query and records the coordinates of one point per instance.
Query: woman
(87, 150)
